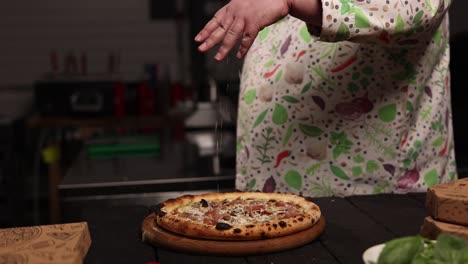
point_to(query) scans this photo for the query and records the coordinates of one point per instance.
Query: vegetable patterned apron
(363, 107)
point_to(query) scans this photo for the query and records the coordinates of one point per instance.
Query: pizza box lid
(63, 243)
(448, 202)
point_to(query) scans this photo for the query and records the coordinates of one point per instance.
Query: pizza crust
(274, 228)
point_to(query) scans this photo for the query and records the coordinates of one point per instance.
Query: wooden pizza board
(157, 236)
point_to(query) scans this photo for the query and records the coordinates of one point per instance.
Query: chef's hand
(245, 18)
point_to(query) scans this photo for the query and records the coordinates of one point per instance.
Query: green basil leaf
(371, 166)
(418, 16)
(305, 35)
(293, 179)
(260, 118)
(438, 142)
(438, 37)
(306, 87)
(399, 25)
(311, 131)
(450, 249)
(409, 106)
(264, 33)
(312, 169)
(269, 64)
(357, 171)
(288, 135)
(361, 20)
(290, 99)
(338, 172)
(358, 159)
(431, 178)
(342, 33)
(280, 115)
(279, 75)
(388, 113)
(249, 96)
(401, 250)
(251, 184)
(345, 8)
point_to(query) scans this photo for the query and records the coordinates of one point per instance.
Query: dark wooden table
(353, 224)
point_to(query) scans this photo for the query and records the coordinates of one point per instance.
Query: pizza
(237, 215)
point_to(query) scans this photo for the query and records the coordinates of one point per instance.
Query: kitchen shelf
(155, 121)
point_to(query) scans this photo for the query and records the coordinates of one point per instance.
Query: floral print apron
(359, 106)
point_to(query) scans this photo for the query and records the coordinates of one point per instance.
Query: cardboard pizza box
(448, 202)
(64, 244)
(432, 228)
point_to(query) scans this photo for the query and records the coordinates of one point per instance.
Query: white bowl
(371, 255)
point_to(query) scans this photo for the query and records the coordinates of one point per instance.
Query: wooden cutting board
(159, 237)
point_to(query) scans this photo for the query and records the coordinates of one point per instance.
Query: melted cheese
(234, 212)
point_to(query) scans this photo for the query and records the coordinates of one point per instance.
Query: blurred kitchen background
(107, 103)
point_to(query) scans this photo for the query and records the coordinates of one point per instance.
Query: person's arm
(387, 22)
(243, 19)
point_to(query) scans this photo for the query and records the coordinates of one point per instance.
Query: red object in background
(54, 62)
(119, 99)
(188, 93)
(146, 101)
(177, 94)
(74, 64)
(71, 64)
